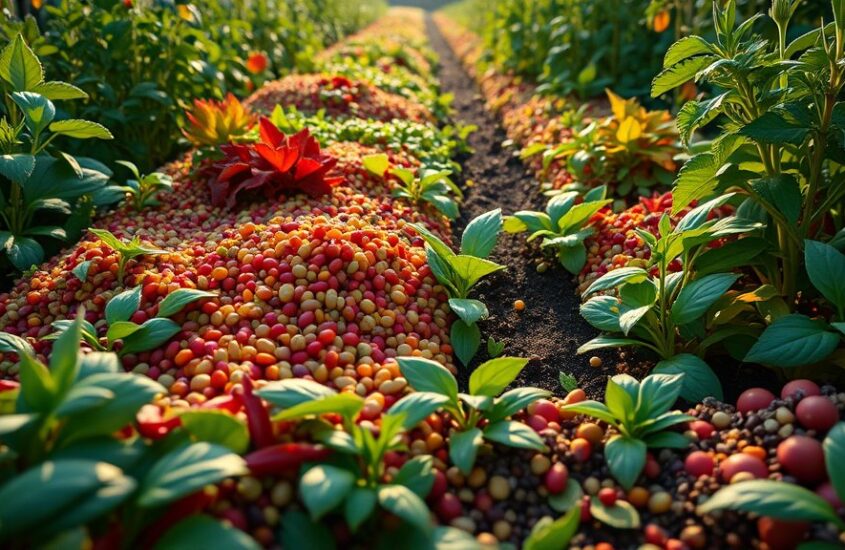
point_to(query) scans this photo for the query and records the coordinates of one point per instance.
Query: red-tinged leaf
(257, 417)
(269, 133)
(281, 158)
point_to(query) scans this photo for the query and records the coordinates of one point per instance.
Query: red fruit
(586, 515)
(439, 487)
(538, 423)
(581, 449)
(699, 463)
(803, 458)
(654, 534)
(743, 462)
(652, 467)
(547, 410)
(448, 508)
(806, 387)
(779, 534)
(702, 428)
(607, 496)
(817, 413)
(754, 400)
(557, 478)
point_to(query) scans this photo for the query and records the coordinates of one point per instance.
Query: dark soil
(549, 329)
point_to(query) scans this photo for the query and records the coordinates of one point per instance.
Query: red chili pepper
(283, 458)
(229, 403)
(257, 417)
(153, 425)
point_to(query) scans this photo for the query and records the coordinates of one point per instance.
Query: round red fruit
(754, 400)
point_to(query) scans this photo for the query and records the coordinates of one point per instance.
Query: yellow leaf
(185, 12)
(617, 104)
(629, 131)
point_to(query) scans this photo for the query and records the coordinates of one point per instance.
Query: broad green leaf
(359, 506)
(347, 405)
(834, 455)
(513, 401)
(9, 343)
(122, 306)
(418, 406)
(493, 376)
(573, 258)
(625, 458)
(61, 494)
(621, 515)
(426, 375)
(514, 434)
(699, 379)
(17, 167)
(477, 402)
(218, 427)
(695, 114)
(679, 73)
(619, 401)
(696, 297)
(24, 252)
(616, 277)
(637, 300)
(792, 341)
(826, 269)
(471, 269)
(657, 393)
(559, 205)
(178, 299)
(55, 90)
(697, 216)
(83, 398)
(667, 440)
(121, 329)
(776, 499)
(773, 128)
(202, 531)
(81, 129)
(783, 192)
(288, 393)
(602, 312)
(481, 233)
(300, 531)
(685, 48)
(152, 334)
(376, 164)
(470, 311)
(580, 214)
(187, 469)
(463, 448)
(19, 66)
(405, 504)
(551, 534)
(417, 475)
(38, 111)
(465, 340)
(601, 342)
(571, 496)
(38, 389)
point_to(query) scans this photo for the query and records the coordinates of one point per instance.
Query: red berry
(779, 534)
(743, 462)
(802, 457)
(806, 387)
(699, 463)
(448, 508)
(547, 410)
(817, 412)
(607, 496)
(557, 478)
(754, 400)
(702, 428)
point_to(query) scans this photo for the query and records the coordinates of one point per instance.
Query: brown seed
(499, 488)
(660, 502)
(595, 361)
(502, 530)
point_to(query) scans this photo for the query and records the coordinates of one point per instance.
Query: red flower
(256, 63)
(277, 164)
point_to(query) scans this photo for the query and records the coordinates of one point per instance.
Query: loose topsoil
(550, 329)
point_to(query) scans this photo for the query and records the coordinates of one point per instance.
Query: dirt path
(549, 329)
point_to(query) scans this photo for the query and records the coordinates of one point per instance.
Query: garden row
(671, 252)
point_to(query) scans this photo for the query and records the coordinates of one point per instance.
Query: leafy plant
(459, 273)
(277, 164)
(554, 533)
(482, 414)
(428, 186)
(657, 312)
(211, 123)
(134, 337)
(143, 188)
(355, 483)
(494, 347)
(564, 226)
(639, 411)
(794, 339)
(786, 501)
(38, 182)
(567, 381)
(65, 469)
(782, 130)
(125, 250)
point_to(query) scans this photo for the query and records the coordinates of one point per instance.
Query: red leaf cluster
(276, 164)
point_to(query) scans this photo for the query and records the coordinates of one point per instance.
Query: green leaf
(826, 269)
(418, 406)
(81, 129)
(679, 73)
(19, 66)
(571, 496)
(699, 379)
(38, 389)
(17, 167)
(218, 427)
(405, 504)
(668, 440)
(38, 111)
(625, 458)
(471, 269)
(300, 531)
(359, 506)
(621, 515)
(784, 192)
(122, 306)
(323, 487)
(573, 258)
(513, 401)
(121, 329)
(152, 334)
(176, 300)
(465, 340)
(601, 342)
(463, 448)
(834, 456)
(616, 277)
(617, 398)
(24, 253)
(637, 300)
(773, 128)
(792, 341)
(288, 393)
(9, 343)
(602, 312)
(470, 311)
(695, 114)
(83, 398)
(685, 48)
(514, 434)
(426, 375)
(696, 297)
(55, 91)
(62, 494)
(656, 394)
(493, 376)
(376, 164)
(187, 469)
(345, 404)
(477, 402)
(776, 499)
(201, 531)
(417, 475)
(554, 534)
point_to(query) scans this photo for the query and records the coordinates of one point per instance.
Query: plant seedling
(144, 187)
(494, 348)
(459, 273)
(125, 250)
